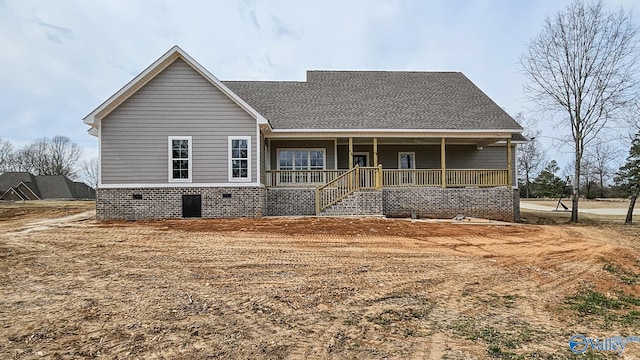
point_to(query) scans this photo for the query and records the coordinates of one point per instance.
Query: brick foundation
(489, 203)
(363, 202)
(166, 203)
(291, 202)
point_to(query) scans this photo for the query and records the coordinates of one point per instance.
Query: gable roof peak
(93, 119)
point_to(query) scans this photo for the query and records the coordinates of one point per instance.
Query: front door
(361, 160)
(406, 161)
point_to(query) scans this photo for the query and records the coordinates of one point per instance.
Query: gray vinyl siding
(177, 102)
(428, 156)
(327, 145)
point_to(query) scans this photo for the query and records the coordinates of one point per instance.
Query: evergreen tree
(547, 184)
(628, 176)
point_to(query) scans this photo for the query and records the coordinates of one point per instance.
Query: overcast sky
(60, 59)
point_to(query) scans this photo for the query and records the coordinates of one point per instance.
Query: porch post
(443, 163)
(375, 152)
(350, 153)
(509, 175)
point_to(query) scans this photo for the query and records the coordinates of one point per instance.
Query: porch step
(361, 202)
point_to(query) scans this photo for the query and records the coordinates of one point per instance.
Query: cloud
(249, 8)
(54, 33)
(282, 29)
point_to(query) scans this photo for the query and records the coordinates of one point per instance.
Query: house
(19, 186)
(177, 142)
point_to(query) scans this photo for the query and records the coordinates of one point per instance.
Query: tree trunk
(629, 219)
(601, 185)
(576, 189)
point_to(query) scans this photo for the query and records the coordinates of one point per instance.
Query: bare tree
(89, 172)
(599, 157)
(633, 118)
(584, 66)
(64, 156)
(7, 156)
(34, 158)
(56, 156)
(530, 155)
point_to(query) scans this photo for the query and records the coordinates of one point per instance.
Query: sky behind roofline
(62, 59)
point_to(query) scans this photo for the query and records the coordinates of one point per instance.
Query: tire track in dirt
(159, 290)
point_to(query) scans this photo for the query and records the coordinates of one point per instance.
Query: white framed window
(239, 158)
(180, 163)
(311, 161)
(406, 160)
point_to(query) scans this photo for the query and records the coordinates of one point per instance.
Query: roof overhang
(397, 133)
(93, 119)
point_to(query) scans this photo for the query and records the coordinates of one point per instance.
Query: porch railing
(301, 178)
(477, 177)
(412, 177)
(453, 177)
(366, 177)
(358, 178)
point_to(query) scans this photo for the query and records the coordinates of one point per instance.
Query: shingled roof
(375, 100)
(45, 186)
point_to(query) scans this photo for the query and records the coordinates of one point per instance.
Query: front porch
(393, 176)
(402, 162)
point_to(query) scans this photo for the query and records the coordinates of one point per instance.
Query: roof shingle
(375, 100)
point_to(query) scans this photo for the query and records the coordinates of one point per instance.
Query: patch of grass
(353, 318)
(609, 267)
(497, 353)
(631, 319)
(518, 333)
(390, 316)
(620, 309)
(496, 300)
(593, 303)
(627, 277)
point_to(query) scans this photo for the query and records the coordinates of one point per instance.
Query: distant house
(177, 142)
(17, 186)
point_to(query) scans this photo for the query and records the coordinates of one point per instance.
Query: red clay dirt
(302, 288)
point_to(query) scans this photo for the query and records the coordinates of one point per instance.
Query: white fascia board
(435, 133)
(504, 142)
(400, 130)
(136, 82)
(154, 69)
(222, 87)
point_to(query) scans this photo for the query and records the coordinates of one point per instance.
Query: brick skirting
(231, 202)
(291, 202)
(166, 203)
(362, 202)
(501, 203)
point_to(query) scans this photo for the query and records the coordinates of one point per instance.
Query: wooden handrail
(335, 190)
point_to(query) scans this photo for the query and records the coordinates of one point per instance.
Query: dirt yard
(71, 287)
